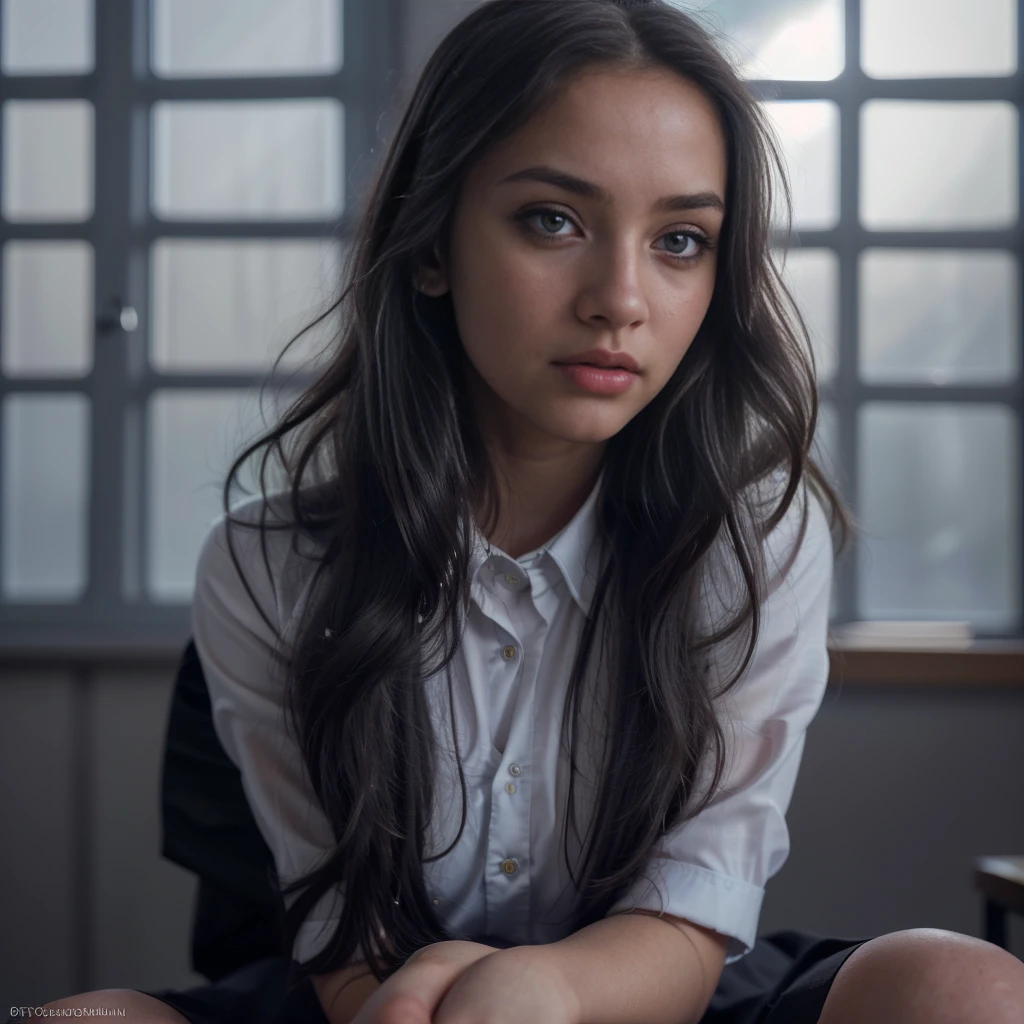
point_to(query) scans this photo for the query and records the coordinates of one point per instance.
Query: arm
(625, 968)
(342, 993)
(426, 976)
(635, 967)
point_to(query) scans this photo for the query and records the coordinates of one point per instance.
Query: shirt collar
(575, 549)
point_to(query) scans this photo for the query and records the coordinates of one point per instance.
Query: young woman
(518, 666)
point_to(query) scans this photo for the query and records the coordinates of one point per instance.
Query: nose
(613, 294)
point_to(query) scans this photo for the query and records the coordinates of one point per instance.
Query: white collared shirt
(506, 882)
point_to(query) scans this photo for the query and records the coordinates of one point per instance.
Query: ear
(430, 277)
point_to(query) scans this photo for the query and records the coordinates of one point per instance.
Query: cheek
(502, 298)
(680, 315)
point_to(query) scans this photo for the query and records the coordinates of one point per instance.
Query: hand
(413, 992)
(512, 986)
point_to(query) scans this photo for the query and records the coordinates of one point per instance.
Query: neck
(537, 497)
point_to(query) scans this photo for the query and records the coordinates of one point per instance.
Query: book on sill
(905, 635)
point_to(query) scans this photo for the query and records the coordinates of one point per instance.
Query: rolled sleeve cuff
(729, 905)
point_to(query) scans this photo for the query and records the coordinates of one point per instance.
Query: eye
(546, 217)
(549, 217)
(682, 238)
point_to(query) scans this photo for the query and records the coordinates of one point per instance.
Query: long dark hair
(386, 471)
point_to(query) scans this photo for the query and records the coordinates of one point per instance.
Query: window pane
(809, 134)
(246, 37)
(40, 336)
(938, 165)
(193, 438)
(235, 305)
(47, 160)
(45, 497)
(785, 39)
(963, 37)
(812, 275)
(938, 317)
(930, 548)
(278, 159)
(52, 37)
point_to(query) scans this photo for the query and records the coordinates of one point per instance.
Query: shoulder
(249, 561)
(797, 552)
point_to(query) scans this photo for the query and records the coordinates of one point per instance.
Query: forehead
(627, 129)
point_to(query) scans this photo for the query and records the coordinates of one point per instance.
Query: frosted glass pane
(52, 37)
(275, 159)
(785, 39)
(930, 38)
(812, 276)
(45, 499)
(938, 165)
(47, 160)
(229, 305)
(246, 37)
(938, 317)
(809, 134)
(193, 438)
(38, 335)
(939, 505)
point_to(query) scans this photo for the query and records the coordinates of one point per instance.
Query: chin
(591, 433)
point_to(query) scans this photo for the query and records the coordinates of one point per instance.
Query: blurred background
(178, 182)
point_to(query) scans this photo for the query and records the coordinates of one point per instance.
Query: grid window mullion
(108, 386)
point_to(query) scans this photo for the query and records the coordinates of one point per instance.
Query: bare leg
(927, 975)
(138, 1008)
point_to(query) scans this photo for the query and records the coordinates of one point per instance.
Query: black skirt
(784, 979)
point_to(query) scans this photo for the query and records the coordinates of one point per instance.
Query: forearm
(427, 975)
(342, 993)
(637, 967)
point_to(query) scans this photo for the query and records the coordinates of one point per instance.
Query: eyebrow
(588, 190)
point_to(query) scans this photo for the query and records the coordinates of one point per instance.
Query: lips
(603, 359)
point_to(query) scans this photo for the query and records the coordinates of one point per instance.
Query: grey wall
(899, 791)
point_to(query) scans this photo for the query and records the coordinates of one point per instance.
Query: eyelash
(703, 242)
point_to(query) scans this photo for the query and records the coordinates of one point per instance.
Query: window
(900, 124)
(177, 184)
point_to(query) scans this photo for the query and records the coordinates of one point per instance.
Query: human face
(541, 271)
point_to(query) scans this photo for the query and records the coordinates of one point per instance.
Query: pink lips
(613, 381)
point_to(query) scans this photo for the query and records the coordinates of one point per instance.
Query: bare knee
(927, 974)
(122, 1003)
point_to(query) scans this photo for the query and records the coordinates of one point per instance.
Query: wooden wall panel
(143, 904)
(40, 938)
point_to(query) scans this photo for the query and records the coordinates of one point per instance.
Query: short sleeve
(712, 869)
(246, 688)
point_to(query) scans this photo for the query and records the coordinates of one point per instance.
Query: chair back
(208, 828)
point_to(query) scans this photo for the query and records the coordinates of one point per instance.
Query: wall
(898, 792)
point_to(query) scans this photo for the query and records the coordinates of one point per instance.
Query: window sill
(989, 663)
(984, 663)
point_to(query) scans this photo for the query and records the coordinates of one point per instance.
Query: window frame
(114, 610)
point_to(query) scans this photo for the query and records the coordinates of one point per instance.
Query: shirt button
(436, 902)
(510, 787)
(508, 652)
(508, 866)
(510, 579)
(514, 769)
